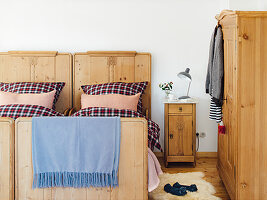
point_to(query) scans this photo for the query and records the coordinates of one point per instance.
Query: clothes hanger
(218, 24)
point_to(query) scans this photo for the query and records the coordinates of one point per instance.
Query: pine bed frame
(87, 68)
(7, 138)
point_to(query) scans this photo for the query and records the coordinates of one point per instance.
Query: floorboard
(206, 165)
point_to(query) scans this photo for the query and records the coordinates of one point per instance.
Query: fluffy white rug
(205, 189)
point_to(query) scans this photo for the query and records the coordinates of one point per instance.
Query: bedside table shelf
(180, 132)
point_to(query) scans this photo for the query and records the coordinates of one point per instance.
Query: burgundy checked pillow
(117, 88)
(34, 88)
(20, 110)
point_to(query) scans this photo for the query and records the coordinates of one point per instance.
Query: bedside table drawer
(181, 108)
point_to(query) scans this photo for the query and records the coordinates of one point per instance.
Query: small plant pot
(167, 92)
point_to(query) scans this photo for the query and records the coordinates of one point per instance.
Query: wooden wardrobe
(242, 151)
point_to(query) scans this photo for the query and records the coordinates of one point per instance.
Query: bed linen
(117, 101)
(153, 128)
(154, 170)
(20, 110)
(118, 88)
(42, 99)
(33, 88)
(75, 152)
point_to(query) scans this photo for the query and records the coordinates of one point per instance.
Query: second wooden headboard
(95, 67)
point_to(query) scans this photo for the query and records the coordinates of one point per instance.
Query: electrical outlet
(202, 135)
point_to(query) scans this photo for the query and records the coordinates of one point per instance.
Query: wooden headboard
(39, 66)
(95, 67)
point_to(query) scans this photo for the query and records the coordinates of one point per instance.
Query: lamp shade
(185, 75)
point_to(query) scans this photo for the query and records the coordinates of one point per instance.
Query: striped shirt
(215, 112)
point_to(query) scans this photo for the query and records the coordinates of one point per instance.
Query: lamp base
(184, 97)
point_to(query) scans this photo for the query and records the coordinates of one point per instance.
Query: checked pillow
(19, 110)
(118, 88)
(34, 88)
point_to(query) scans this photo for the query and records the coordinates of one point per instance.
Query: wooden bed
(39, 66)
(89, 68)
(95, 67)
(27, 66)
(132, 167)
(6, 158)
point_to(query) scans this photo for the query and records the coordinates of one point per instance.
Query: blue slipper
(175, 191)
(191, 188)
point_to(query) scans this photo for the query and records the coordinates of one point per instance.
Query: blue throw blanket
(75, 151)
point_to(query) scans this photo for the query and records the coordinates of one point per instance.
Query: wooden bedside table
(180, 131)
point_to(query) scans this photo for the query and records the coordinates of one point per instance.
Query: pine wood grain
(132, 167)
(180, 131)
(226, 142)
(98, 67)
(242, 157)
(181, 128)
(7, 158)
(39, 66)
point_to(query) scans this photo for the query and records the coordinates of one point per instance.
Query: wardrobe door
(226, 142)
(252, 157)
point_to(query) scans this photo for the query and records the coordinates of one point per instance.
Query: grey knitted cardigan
(215, 73)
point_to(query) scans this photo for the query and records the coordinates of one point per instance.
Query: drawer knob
(171, 136)
(180, 109)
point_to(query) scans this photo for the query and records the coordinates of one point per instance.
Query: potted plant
(167, 88)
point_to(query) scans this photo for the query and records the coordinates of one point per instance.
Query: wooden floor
(206, 165)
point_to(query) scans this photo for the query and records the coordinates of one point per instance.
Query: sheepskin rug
(205, 190)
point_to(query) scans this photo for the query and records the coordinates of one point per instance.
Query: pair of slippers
(179, 190)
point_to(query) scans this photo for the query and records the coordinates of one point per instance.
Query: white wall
(224, 4)
(247, 4)
(176, 32)
(263, 5)
(243, 4)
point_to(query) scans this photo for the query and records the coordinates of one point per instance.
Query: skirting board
(199, 154)
(206, 154)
